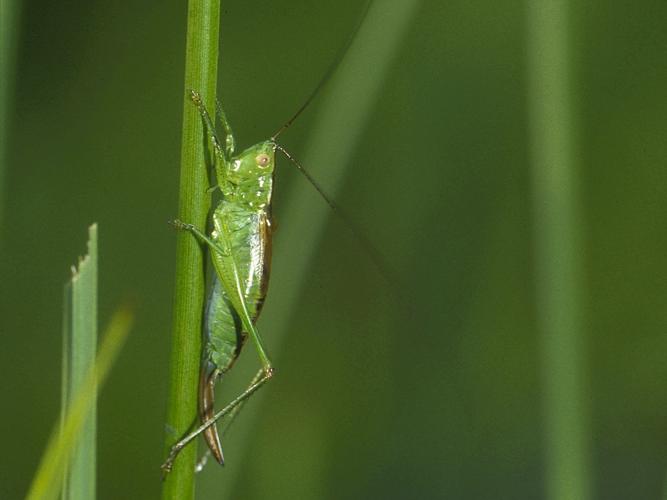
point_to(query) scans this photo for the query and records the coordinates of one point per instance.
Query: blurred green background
(425, 387)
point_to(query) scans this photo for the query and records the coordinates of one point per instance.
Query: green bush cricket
(240, 249)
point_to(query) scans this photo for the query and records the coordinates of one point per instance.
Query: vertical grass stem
(201, 67)
(558, 249)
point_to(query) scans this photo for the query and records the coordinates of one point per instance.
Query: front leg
(201, 236)
(223, 157)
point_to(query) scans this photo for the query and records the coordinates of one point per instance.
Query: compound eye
(262, 160)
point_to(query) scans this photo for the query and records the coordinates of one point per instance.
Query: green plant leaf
(70, 455)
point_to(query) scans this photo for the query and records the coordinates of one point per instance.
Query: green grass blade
(65, 437)
(65, 374)
(558, 250)
(9, 14)
(201, 60)
(83, 347)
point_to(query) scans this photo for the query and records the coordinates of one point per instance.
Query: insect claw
(166, 469)
(180, 225)
(195, 97)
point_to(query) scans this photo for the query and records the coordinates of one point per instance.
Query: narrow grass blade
(9, 16)
(69, 460)
(83, 347)
(65, 395)
(558, 249)
(201, 67)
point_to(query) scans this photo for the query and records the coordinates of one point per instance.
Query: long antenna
(329, 72)
(361, 238)
(305, 173)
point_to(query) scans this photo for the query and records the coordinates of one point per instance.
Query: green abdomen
(247, 237)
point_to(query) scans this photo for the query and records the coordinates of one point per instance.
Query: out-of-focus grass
(9, 17)
(558, 249)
